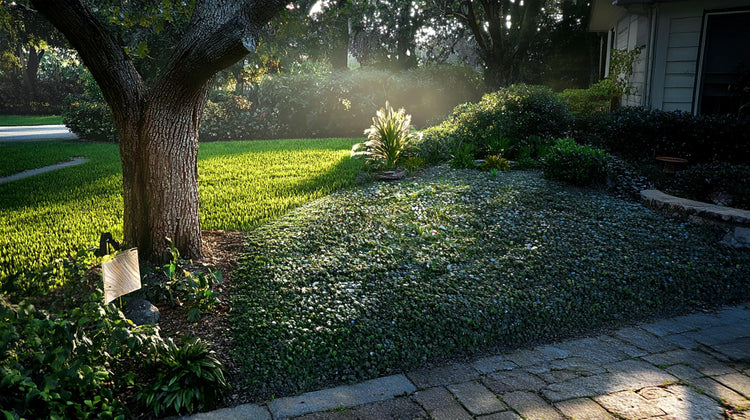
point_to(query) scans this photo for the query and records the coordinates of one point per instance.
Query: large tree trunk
(158, 125)
(160, 178)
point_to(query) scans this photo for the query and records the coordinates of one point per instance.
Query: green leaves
(388, 137)
(380, 279)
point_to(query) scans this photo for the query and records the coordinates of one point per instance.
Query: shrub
(598, 98)
(576, 164)
(718, 183)
(89, 118)
(642, 134)
(521, 120)
(189, 378)
(88, 115)
(388, 137)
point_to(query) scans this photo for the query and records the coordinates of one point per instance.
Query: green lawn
(242, 184)
(383, 278)
(9, 120)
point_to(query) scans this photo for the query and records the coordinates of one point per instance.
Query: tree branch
(112, 69)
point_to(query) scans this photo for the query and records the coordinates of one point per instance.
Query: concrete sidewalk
(35, 133)
(688, 367)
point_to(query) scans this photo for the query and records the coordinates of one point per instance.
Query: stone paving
(688, 367)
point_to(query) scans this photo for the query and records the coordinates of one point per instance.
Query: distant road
(36, 133)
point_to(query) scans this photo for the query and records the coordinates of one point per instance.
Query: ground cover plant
(390, 276)
(11, 120)
(242, 184)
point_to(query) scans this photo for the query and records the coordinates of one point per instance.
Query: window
(724, 73)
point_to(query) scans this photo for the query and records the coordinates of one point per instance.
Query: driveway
(35, 133)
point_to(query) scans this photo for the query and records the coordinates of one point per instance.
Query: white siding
(632, 32)
(681, 61)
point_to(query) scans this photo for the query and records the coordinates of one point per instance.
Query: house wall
(632, 32)
(677, 51)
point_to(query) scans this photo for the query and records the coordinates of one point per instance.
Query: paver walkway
(688, 367)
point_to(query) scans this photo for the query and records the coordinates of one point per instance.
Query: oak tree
(158, 121)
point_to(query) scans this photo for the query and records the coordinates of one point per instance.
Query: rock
(739, 237)
(141, 312)
(391, 175)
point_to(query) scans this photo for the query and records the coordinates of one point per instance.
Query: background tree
(503, 30)
(158, 118)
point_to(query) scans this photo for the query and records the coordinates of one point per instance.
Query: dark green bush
(89, 118)
(574, 163)
(718, 183)
(642, 134)
(519, 120)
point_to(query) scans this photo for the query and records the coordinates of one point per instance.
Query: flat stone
(670, 203)
(698, 321)
(683, 372)
(514, 380)
(583, 409)
(629, 405)
(531, 406)
(721, 393)
(557, 376)
(682, 402)
(476, 398)
(526, 357)
(698, 360)
(681, 340)
(593, 350)
(664, 327)
(578, 365)
(442, 375)
(440, 404)
(623, 346)
(342, 396)
(340, 414)
(635, 374)
(737, 349)
(734, 314)
(538, 369)
(244, 411)
(397, 408)
(493, 364)
(644, 340)
(736, 381)
(712, 336)
(577, 388)
(550, 352)
(504, 415)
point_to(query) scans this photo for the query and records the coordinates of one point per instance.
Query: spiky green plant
(389, 136)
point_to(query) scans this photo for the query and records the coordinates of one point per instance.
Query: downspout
(648, 80)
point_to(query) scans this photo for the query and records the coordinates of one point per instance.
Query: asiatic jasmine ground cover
(389, 276)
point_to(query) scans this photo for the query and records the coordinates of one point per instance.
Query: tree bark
(31, 71)
(158, 126)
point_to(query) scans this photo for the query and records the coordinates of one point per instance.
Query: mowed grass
(20, 156)
(10, 120)
(242, 184)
